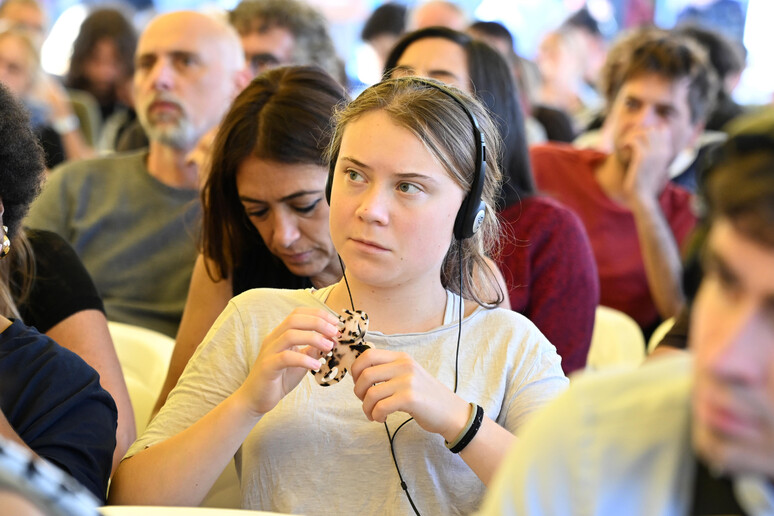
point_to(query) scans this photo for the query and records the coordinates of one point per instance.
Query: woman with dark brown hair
(265, 216)
(102, 62)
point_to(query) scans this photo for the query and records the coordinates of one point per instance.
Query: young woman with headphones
(457, 378)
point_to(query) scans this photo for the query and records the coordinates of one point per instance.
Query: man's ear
(241, 79)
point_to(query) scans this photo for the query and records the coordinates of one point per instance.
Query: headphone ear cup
(469, 220)
(478, 218)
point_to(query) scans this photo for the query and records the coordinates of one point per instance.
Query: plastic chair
(144, 356)
(660, 333)
(616, 341)
(86, 108)
(225, 493)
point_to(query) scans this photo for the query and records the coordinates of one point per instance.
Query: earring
(5, 247)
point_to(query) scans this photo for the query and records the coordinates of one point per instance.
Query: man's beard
(178, 133)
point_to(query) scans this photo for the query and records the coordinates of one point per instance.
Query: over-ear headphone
(472, 211)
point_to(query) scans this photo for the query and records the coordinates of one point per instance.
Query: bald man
(438, 13)
(133, 217)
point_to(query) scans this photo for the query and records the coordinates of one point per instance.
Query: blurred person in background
(55, 124)
(594, 51)
(728, 59)
(284, 32)
(437, 13)
(28, 15)
(383, 28)
(497, 36)
(561, 62)
(635, 217)
(102, 64)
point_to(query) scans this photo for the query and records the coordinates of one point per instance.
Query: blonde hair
(444, 128)
(33, 55)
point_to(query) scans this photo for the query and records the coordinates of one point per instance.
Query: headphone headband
(472, 211)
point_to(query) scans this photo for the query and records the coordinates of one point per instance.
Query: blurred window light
(57, 49)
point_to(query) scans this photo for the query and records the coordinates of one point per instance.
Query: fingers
(385, 383)
(372, 357)
(302, 358)
(305, 327)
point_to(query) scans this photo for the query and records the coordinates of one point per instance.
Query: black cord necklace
(391, 437)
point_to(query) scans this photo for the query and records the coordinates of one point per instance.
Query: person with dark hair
(284, 32)
(102, 62)
(686, 434)
(50, 288)
(562, 61)
(728, 60)
(636, 219)
(495, 34)
(546, 252)
(541, 122)
(50, 399)
(383, 28)
(409, 218)
(265, 223)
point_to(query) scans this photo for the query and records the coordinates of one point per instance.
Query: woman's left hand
(389, 381)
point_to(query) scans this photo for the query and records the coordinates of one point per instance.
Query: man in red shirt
(635, 218)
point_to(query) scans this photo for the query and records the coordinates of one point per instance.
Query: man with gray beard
(133, 218)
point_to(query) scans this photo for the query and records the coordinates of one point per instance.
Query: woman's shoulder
(499, 332)
(505, 323)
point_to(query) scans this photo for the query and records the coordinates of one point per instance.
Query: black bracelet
(472, 431)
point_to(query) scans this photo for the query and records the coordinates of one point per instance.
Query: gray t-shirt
(316, 453)
(135, 235)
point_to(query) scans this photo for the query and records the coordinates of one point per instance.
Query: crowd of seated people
(395, 283)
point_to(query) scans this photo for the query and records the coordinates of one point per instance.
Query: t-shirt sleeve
(536, 378)
(62, 287)
(51, 210)
(217, 368)
(54, 401)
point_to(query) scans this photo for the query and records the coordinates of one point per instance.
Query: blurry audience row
(445, 239)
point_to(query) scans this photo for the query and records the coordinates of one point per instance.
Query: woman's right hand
(287, 353)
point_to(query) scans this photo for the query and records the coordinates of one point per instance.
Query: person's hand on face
(389, 381)
(649, 151)
(287, 353)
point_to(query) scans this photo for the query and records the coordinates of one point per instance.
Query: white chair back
(660, 333)
(144, 356)
(616, 341)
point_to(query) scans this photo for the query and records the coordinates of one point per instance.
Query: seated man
(678, 436)
(133, 218)
(634, 217)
